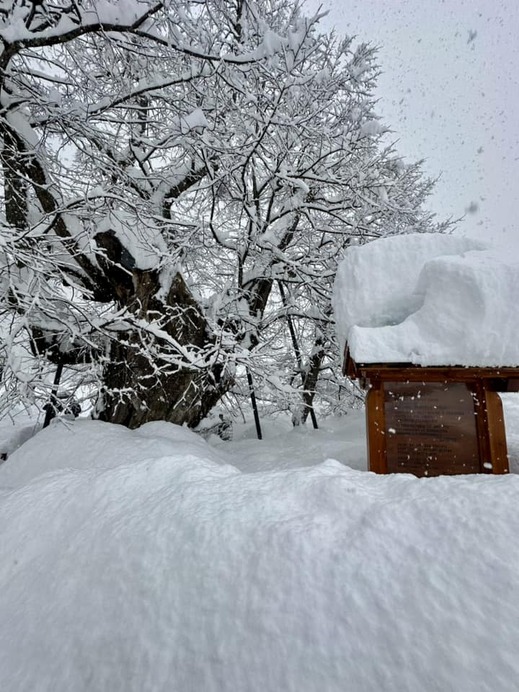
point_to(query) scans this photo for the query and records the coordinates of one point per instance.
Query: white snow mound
(181, 573)
(90, 445)
(429, 299)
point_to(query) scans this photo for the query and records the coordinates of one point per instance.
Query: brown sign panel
(435, 420)
(430, 428)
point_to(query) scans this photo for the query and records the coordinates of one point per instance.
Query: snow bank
(429, 299)
(284, 446)
(179, 573)
(15, 431)
(87, 444)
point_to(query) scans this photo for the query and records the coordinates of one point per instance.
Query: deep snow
(429, 299)
(148, 560)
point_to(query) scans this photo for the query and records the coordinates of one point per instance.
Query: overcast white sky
(450, 92)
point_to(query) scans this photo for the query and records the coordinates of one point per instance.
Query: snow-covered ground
(152, 561)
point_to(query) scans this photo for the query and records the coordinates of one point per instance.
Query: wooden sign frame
(482, 387)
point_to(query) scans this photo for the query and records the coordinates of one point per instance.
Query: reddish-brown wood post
(490, 423)
(480, 411)
(376, 429)
(496, 432)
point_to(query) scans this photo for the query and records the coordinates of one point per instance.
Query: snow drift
(160, 568)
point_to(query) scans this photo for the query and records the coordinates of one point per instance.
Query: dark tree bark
(141, 384)
(15, 184)
(136, 393)
(311, 376)
(307, 400)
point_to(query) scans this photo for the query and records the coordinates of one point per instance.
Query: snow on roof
(429, 299)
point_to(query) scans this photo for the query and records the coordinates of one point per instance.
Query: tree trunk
(310, 379)
(140, 381)
(135, 393)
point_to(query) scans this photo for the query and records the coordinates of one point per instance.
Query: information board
(430, 428)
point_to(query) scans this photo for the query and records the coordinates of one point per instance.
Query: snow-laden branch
(105, 17)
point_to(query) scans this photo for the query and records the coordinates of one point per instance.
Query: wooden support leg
(376, 430)
(496, 432)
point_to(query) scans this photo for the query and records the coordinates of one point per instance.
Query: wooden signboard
(435, 421)
(430, 428)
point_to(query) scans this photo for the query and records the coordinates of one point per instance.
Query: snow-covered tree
(179, 180)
